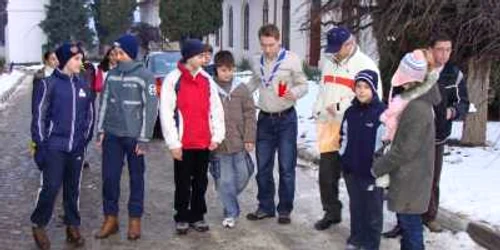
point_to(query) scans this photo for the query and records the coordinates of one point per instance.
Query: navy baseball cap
(336, 37)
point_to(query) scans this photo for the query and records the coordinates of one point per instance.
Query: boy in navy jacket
(61, 128)
(360, 137)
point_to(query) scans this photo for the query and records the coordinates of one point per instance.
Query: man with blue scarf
(281, 82)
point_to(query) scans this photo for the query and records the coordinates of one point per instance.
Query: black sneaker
(86, 164)
(394, 233)
(284, 219)
(325, 223)
(259, 215)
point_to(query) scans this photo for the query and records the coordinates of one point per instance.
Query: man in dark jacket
(454, 106)
(127, 114)
(61, 129)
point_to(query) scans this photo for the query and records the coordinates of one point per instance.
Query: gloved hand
(39, 156)
(383, 181)
(32, 148)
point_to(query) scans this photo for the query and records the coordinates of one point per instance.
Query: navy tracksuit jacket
(61, 127)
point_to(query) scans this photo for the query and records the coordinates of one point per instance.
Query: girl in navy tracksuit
(360, 137)
(61, 128)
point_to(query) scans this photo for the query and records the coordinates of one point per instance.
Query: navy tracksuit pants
(115, 149)
(59, 168)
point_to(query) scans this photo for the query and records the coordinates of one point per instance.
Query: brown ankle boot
(74, 237)
(134, 228)
(41, 239)
(109, 227)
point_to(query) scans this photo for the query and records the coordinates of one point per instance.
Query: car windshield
(162, 64)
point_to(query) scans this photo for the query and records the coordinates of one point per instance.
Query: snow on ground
(34, 67)
(307, 127)
(7, 81)
(433, 241)
(469, 182)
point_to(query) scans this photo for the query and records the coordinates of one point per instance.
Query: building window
(230, 28)
(246, 27)
(285, 22)
(265, 12)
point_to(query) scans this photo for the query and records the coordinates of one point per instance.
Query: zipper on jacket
(71, 137)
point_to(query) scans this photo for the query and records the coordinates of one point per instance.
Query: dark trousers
(191, 182)
(432, 211)
(412, 231)
(366, 208)
(59, 168)
(276, 133)
(329, 175)
(115, 149)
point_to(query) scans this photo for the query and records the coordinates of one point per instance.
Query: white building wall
(24, 38)
(298, 40)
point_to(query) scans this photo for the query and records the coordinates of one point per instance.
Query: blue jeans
(231, 175)
(412, 231)
(276, 133)
(366, 207)
(59, 168)
(114, 151)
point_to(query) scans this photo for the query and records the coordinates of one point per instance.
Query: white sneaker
(229, 222)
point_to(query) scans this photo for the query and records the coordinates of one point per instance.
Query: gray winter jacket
(410, 160)
(129, 105)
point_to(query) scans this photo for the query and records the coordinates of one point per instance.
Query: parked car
(161, 63)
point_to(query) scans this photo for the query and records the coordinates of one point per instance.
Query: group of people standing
(209, 123)
(374, 146)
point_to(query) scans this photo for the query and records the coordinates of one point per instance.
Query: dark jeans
(114, 151)
(412, 231)
(276, 133)
(329, 175)
(366, 207)
(59, 168)
(191, 183)
(432, 211)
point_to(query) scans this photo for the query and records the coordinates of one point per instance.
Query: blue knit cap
(369, 76)
(191, 48)
(129, 44)
(66, 51)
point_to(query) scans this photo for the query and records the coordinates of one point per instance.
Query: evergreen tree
(112, 18)
(190, 18)
(67, 20)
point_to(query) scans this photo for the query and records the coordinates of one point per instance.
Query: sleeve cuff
(143, 140)
(175, 145)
